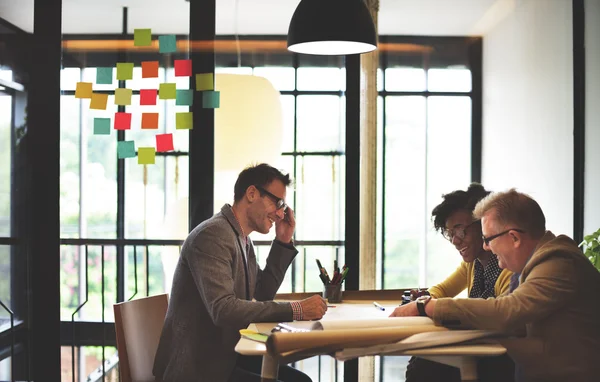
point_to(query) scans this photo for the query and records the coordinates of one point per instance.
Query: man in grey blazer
(554, 299)
(218, 288)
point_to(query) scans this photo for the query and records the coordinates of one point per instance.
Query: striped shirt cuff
(297, 310)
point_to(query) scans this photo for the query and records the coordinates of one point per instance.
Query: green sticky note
(101, 126)
(211, 100)
(124, 71)
(167, 43)
(254, 336)
(123, 96)
(146, 155)
(167, 91)
(184, 121)
(205, 81)
(104, 76)
(125, 149)
(142, 37)
(185, 97)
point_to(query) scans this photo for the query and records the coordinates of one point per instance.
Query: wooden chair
(138, 325)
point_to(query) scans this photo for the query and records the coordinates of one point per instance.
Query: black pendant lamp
(332, 27)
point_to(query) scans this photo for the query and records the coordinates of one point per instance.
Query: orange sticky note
(83, 90)
(99, 101)
(149, 69)
(149, 120)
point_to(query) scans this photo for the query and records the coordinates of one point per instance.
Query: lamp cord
(235, 31)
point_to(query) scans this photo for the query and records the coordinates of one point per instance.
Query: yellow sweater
(463, 278)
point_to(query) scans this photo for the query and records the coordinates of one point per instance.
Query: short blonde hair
(515, 209)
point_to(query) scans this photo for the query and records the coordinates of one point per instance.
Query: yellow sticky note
(142, 37)
(83, 90)
(205, 81)
(167, 91)
(98, 101)
(124, 71)
(184, 121)
(146, 155)
(123, 96)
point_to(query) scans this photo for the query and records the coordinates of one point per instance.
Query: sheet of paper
(205, 81)
(184, 121)
(124, 71)
(99, 101)
(123, 96)
(185, 97)
(148, 96)
(211, 99)
(167, 91)
(83, 90)
(164, 142)
(125, 149)
(142, 37)
(101, 126)
(146, 155)
(104, 76)
(149, 120)
(122, 121)
(150, 69)
(167, 43)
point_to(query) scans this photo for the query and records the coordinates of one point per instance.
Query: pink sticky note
(164, 142)
(183, 68)
(122, 121)
(148, 96)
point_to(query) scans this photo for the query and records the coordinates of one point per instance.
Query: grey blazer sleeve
(212, 256)
(269, 280)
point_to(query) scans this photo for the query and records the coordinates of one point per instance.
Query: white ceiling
(396, 17)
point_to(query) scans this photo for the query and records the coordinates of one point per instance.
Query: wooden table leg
(466, 364)
(270, 368)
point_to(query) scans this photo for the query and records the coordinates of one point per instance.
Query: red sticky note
(149, 120)
(122, 121)
(183, 68)
(149, 69)
(148, 96)
(164, 142)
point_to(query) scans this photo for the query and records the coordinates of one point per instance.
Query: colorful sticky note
(101, 126)
(148, 96)
(123, 96)
(142, 37)
(149, 69)
(183, 68)
(185, 97)
(167, 43)
(149, 120)
(164, 142)
(184, 121)
(122, 121)
(167, 91)
(83, 90)
(125, 149)
(104, 76)
(99, 101)
(205, 81)
(211, 100)
(146, 155)
(124, 71)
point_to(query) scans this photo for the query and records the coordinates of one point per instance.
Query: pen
(378, 306)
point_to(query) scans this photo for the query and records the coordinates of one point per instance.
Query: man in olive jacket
(554, 299)
(218, 288)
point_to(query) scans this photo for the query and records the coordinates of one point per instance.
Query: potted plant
(591, 248)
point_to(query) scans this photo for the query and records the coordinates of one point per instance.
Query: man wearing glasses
(555, 301)
(218, 288)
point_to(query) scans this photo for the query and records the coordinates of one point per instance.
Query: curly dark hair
(259, 175)
(457, 200)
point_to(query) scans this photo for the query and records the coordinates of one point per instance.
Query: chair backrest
(138, 325)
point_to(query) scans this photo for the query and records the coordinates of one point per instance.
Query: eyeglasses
(487, 240)
(279, 203)
(459, 232)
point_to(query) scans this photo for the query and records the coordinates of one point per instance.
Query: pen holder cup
(332, 292)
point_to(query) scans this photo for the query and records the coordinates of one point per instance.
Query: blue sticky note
(125, 149)
(167, 43)
(184, 97)
(104, 76)
(211, 99)
(101, 126)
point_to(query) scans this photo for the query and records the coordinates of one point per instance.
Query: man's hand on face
(313, 308)
(406, 310)
(284, 228)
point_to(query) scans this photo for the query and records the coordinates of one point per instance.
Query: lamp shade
(332, 27)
